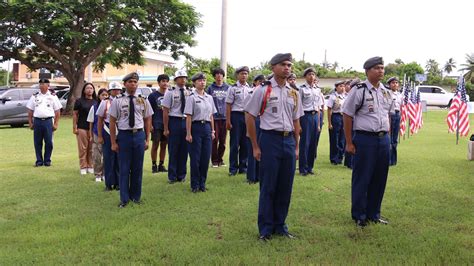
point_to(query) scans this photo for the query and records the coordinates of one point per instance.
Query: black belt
(336, 114)
(201, 121)
(238, 112)
(175, 117)
(279, 133)
(43, 119)
(132, 130)
(374, 134)
(397, 111)
(311, 112)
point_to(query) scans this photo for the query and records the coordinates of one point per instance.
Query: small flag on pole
(458, 116)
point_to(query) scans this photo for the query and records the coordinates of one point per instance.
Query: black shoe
(242, 171)
(138, 202)
(303, 174)
(122, 205)
(379, 221)
(107, 188)
(333, 163)
(116, 187)
(311, 172)
(47, 164)
(38, 164)
(287, 235)
(182, 180)
(154, 169)
(361, 223)
(251, 182)
(161, 168)
(232, 174)
(171, 181)
(203, 189)
(194, 190)
(264, 238)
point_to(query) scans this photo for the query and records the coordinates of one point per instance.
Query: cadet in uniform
(218, 91)
(394, 118)
(368, 105)
(174, 121)
(132, 116)
(348, 156)
(336, 130)
(157, 137)
(279, 108)
(111, 165)
(43, 119)
(292, 81)
(311, 102)
(200, 132)
(236, 122)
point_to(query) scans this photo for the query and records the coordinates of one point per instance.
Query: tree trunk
(76, 82)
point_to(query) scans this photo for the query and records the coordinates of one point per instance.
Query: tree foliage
(69, 35)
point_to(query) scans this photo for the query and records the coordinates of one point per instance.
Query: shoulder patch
(359, 85)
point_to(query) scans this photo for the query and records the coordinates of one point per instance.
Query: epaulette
(36, 93)
(234, 85)
(192, 93)
(141, 96)
(303, 85)
(359, 85)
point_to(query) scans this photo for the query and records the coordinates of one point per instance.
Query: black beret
(43, 81)
(163, 77)
(339, 83)
(278, 58)
(242, 68)
(308, 70)
(132, 75)
(392, 79)
(198, 76)
(371, 62)
(292, 75)
(218, 70)
(259, 77)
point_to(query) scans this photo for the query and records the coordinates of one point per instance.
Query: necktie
(183, 100)
(131, 117)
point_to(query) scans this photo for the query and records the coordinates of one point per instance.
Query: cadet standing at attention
(235, 122)
(43, 119)
(200, 132)
(368, 105)
(394, 118)
(174, 121)
(132, 115)
(336, 130)
(279, 108)
(311, 101)
(348, 156)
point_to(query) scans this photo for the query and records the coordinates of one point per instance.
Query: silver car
(13, 109)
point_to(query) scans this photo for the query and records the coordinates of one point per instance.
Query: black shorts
(157, 135)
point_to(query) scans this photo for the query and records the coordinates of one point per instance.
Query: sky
(350, 31)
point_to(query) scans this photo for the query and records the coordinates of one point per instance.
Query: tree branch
(38, 41)
(89, 58)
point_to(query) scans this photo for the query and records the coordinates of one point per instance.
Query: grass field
(54, 216)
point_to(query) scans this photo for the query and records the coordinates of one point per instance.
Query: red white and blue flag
(458, 116)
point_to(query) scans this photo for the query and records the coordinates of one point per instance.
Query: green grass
(55, 216)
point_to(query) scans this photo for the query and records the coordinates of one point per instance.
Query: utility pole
(224, 37)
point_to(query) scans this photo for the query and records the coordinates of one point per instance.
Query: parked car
(436, 96)
(13, 109)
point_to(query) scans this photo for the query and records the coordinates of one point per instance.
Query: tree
(469, 67)
(450, 64)
(69, 35)
(3, 77)
(195, 65)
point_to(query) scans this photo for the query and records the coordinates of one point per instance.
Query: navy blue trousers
(369, 175)
(43, 131)
(177, 149)
(277, 164)
(200, 153)
(238, 143)
(308, 145)
(336, 139)
(130, 154)
(318, 134)
(395, 129)
(253, 170)
(111, 165)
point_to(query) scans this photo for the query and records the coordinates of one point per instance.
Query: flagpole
(457, 127)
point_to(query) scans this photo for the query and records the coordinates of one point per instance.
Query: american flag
(412, 112)
(403, 118)
(458, 115)
(419, 113)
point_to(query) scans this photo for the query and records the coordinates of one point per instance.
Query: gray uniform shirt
(120, 109)
(336, 102)
(200, 107)
(310, 97)
(397, 100)
(172, 101)
(373, 116)
(280, 110)
(236, 96)
(103, 109)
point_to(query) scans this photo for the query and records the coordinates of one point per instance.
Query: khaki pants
(84, 147)
(97, 157)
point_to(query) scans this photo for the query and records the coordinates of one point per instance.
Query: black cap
(371, 62)
(218, 70)
(308, 70)
(198, 76)
(291, 76)
(259, 77)
(242, 68)
(43, 81)
(392, 79)
(163, 77)
(278, 58)
(132, 75)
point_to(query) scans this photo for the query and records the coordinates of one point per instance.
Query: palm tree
(450, 64)
(469, 67)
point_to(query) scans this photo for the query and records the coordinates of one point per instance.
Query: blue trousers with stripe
(395, 130)
(111, 165)
(200, 153)
(253, 170)
(238, 144)
(130, 154)
(336, 139)
(43, 131)
(308, 145)
(177, 149)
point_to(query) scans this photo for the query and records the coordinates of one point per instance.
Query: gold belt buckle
(134, 130)
(286, 133)
(381, 133)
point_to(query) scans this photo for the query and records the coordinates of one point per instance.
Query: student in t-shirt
(80, 127)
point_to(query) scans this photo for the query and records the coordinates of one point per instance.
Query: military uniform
(369, 108)
(277, 143)
(395, 123)
(44, 107)
(336, 134)
(238, 140)
(130, 111)
(200, 108)
(253, 166)
(311, 102)
(175, 101)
